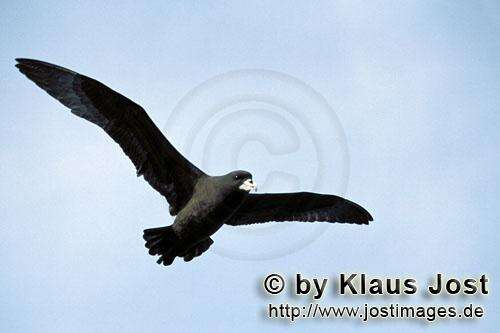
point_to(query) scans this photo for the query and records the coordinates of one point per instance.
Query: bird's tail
(163, 242)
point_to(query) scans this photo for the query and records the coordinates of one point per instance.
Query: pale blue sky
(415, 86)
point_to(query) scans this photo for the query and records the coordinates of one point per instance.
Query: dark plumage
(201, 203)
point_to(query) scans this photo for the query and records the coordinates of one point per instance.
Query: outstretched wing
(300, 206)
(163, 167)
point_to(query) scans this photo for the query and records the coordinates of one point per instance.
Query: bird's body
(213, 202)
(201, 203)
(206, 211)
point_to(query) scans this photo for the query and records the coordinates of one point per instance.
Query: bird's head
(241, 180)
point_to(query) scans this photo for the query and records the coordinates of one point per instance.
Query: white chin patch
(248, 185)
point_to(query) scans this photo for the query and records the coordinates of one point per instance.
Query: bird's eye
(236, 177)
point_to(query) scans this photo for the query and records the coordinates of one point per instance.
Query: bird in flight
(200, 203)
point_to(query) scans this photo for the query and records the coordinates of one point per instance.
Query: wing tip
(25, 62)
(26, 65)
(370, 217)
(362, 217)
(367, 218)
(33, 65)
(28, 61)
